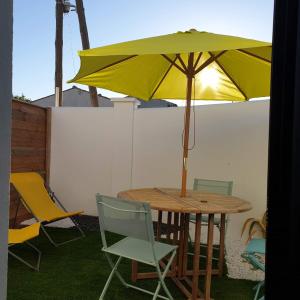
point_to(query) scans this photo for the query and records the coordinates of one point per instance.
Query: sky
(113, 21)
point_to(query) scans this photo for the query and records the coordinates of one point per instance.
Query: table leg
(222, 245)
(159, 222)
(181, 245)
(175, 241)
(196, 258)
(210, 235)
(169, 227)
(186, 241)
(134, 270)
(176, 225)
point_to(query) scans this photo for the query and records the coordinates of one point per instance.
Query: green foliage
(22, 98)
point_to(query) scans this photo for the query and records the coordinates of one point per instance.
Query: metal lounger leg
(37, 266)
(82, 235)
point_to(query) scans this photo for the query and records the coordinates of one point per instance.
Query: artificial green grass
(78, 271)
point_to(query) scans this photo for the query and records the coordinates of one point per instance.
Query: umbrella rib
(112, 64)
(174, 64)
(208, 62)
(231, 79)
(197, 60)
(182, 62)
(254, 55)
(161, 81)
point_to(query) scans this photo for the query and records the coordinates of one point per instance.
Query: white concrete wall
(231, 144)
(81, 155)
(88, 146)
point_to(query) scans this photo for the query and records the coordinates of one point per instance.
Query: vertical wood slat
(48, 145)
(196, 258)
(210, 233)
(30, 151)
(222, 245)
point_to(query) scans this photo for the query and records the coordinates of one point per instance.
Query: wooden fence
(30, 145)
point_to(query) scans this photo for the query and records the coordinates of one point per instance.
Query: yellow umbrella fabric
(183, 65)
(142, 68)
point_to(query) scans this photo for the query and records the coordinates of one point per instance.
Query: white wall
(81, 155)
(231, 144)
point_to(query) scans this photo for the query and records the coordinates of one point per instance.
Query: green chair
(254, 248)
(133, 220)
(216, 187)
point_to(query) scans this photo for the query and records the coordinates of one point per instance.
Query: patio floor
(77, 271)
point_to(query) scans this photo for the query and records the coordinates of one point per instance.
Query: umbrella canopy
(239, 68)
(183, 65)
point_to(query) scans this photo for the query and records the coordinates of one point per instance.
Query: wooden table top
(168, 199)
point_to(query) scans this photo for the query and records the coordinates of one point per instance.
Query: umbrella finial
(188, 31)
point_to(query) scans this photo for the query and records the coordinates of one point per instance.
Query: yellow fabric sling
(30, 186)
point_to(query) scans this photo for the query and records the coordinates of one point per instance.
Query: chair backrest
(213, 186)
(30, 186)
(254, 249)
(124, 217)
(256, 246)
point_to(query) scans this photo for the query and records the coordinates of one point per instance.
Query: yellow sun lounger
(23, 235)
(42, 202)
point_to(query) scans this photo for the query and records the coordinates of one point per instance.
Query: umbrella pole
(190, 75)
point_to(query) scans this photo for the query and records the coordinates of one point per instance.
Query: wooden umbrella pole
(190, 76)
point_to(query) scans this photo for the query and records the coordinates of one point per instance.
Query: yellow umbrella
(204, 65)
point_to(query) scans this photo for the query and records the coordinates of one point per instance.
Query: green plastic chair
(254, 247)
(216, 187)
(133, 220)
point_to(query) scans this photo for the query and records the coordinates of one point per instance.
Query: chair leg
(134, 270)
(162, 278)
(161, 282)
(54, 243)
(16, 213)
(34, 267)
(112, 265)
(114, 269)
(257, 288)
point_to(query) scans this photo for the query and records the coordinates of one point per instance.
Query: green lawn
(77, 271)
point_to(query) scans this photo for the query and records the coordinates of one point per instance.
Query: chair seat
(256, 261)
(63, 215)
(139, 250)
(18, 236)
(256, 246)
(204, 219)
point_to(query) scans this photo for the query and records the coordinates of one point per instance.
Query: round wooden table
(179, 210)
